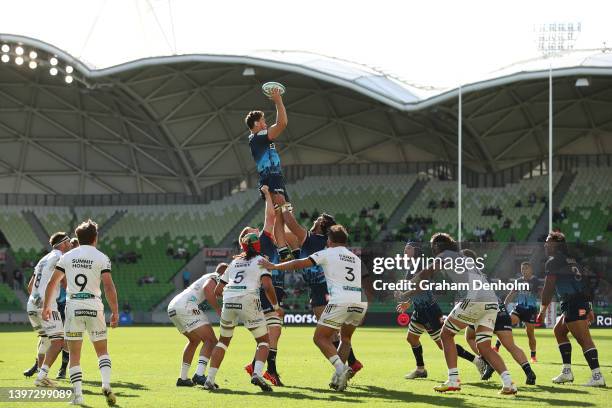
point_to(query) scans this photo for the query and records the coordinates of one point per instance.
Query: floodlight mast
(554, 39)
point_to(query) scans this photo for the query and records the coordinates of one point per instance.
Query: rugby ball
(269, 86)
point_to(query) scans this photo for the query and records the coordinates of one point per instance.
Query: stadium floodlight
(582, 82)
(5, 58)
(69, 69)
(53, 61)
(33, 55)
(5, 48)
(248, 71)
(68, 79)
(19, 50)
(19, 60)
(32, 64)
(53, 71)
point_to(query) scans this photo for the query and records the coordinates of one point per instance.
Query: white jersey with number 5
(342, 270)
(83, 267)
(243, 277)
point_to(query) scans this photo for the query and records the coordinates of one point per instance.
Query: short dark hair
(443, 241)
(337, 234)
(252, 117)
(87, 232)
(74, 242)
(328, 222)
(558, 238)
(469, 253)
(57, 238)
(525, 263)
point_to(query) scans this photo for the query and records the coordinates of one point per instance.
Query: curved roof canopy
(175, 124)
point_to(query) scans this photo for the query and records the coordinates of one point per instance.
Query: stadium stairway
(541, 226)
(232, 235)
(108, 224)
(37, 227)
(397, 217)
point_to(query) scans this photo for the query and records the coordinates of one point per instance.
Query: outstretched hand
(265, 264)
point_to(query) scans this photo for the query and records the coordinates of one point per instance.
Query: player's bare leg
(323, 338)
(74, 370)
(207, 336)
(580, 331)
(450, 328)
(216, 358)
(565, 348)
(42, 380)
(104, 363)
(476, 359)
(507, 340)
(263, 348)
(483, 342)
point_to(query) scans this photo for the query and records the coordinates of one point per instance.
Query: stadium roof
(175, 123)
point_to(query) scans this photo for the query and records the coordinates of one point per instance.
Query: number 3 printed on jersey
(349, 273)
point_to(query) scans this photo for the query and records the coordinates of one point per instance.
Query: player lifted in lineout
(427, 317)
(240, 286)
(477, 307)
(84, 268)
(526, 309)
(573, 287)
(50, 331)
(347, 303)
(185, 314)
(263, 149)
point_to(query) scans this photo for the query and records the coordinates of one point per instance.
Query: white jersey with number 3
(243, 277)
(342, 270)
(83, 267)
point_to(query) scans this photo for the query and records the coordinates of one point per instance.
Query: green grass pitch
(146, 363)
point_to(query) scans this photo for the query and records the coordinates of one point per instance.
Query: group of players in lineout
(251, 287)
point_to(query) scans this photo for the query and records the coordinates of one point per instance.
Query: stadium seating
(344, 197)
(588, 205)
(8, 299)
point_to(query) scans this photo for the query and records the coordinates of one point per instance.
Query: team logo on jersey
(233, 306)
(491, 306)
(85, 312)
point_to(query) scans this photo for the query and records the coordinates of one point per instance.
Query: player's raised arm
(270, 214)
(292, 224)
(287, 266)
(281, 116)
(110, 292)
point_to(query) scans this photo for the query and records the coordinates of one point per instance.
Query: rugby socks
(337, 363)
(272, 361)
(104, 362)
(463, 353)
(527, 368)
(44, 370)
(453, 374)
(418, 355)
(258, 368)
(212, 372)
(506, 379)
(566, 355)
(202, 363)
(590, 355)
(497, 345)
(185, 370)
(76, 378)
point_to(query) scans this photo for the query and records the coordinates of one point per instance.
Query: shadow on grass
(490, 387)
(119, 385)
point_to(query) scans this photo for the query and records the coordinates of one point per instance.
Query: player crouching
(346, 308)
(190, 321)
(240, 286)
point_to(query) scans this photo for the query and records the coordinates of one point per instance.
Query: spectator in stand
(170, 251)
(376, 205)
(186, 278)
(532, 199)
(304, 215)
(17, 279)
(443, 203)
(146, 279)
(432, 205)
(363, 213)
(609, 229)
(126, 307)
(381, 219)
(507, 223)
(451, 203)
(518, 204)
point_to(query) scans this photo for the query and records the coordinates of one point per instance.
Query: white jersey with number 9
(83, 267)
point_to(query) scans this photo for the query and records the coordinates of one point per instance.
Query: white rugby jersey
(243, 278)
(83, 267)
(469, 276)
(342, 270)
(195, 292)
(42, 274)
